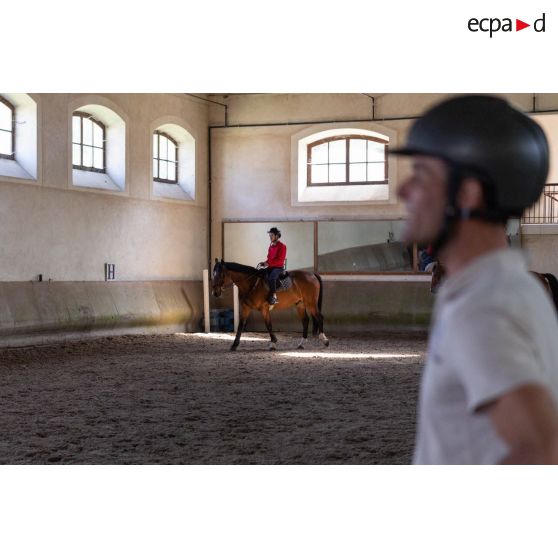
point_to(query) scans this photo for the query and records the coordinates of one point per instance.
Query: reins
(247, 278)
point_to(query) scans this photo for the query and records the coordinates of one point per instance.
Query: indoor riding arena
(115, 208)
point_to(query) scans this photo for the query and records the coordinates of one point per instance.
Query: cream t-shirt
(494, 329)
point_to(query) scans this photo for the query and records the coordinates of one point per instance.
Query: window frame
(158, 133)
(83, 115)
(329, 139)
(12, 131)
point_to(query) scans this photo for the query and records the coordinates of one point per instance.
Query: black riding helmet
(275, 231)
(485, 137)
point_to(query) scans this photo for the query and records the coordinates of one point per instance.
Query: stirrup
(272, 300)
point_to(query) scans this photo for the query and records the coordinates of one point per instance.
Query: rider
(489, 391)
(426, 258)
(275, 262)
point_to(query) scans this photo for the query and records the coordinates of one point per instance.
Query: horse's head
(219, 278)
(438, 273)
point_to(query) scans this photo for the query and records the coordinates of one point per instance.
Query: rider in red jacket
(275, 262)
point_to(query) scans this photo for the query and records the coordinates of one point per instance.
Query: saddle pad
(284, 283)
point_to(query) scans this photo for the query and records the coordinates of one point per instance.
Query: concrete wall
(542, 250)
(38, 312)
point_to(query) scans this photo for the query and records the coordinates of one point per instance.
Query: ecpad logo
(493, 25)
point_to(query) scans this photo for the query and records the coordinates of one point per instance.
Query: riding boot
(272, 299)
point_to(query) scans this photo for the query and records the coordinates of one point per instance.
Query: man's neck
(471, 239)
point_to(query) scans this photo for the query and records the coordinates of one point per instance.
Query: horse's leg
(267, 319)
(319, 319)
(322, 335)
(303, 315)
(244, 313)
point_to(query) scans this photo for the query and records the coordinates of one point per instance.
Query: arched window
(7, 129)
(350, 160)
(88, 143)
(165, 158)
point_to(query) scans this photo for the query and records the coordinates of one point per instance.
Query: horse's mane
(233, 266)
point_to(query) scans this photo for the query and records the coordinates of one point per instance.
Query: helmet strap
(454, 214)
(488, 215)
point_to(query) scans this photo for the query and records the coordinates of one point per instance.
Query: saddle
(284, 282)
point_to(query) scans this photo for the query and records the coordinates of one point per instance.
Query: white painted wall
(66, 234)
(252, 166)
(251, 179)
(549, 123)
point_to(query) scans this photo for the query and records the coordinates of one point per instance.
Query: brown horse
(438, 273)
(305, 293)
(549, 281)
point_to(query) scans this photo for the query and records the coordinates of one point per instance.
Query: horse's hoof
(233, 347)
(326, 343)
(272, 347)
(300, 347)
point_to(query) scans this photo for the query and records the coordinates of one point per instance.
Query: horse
(438, 273)
(550, 283)
(306, 293)
(548, 280)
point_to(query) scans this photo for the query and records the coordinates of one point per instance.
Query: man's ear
(471, 194)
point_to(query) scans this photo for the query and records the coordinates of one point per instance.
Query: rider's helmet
(484, 137)
(275, 231)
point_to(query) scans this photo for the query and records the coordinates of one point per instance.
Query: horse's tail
(553, 282)
(315, 323)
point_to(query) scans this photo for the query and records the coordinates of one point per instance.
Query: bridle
(224, 287)
(221, 274)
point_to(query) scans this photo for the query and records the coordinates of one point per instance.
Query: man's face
(272, 237)
(424, 194)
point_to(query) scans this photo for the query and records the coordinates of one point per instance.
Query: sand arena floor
(186, 399)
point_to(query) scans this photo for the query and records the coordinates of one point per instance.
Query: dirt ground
(186, 399)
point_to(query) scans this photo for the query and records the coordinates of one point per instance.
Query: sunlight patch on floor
(223, 336)
(300, 354)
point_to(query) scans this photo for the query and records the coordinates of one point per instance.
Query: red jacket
(276, 254)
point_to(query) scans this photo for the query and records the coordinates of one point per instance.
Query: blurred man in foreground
(489, 390)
